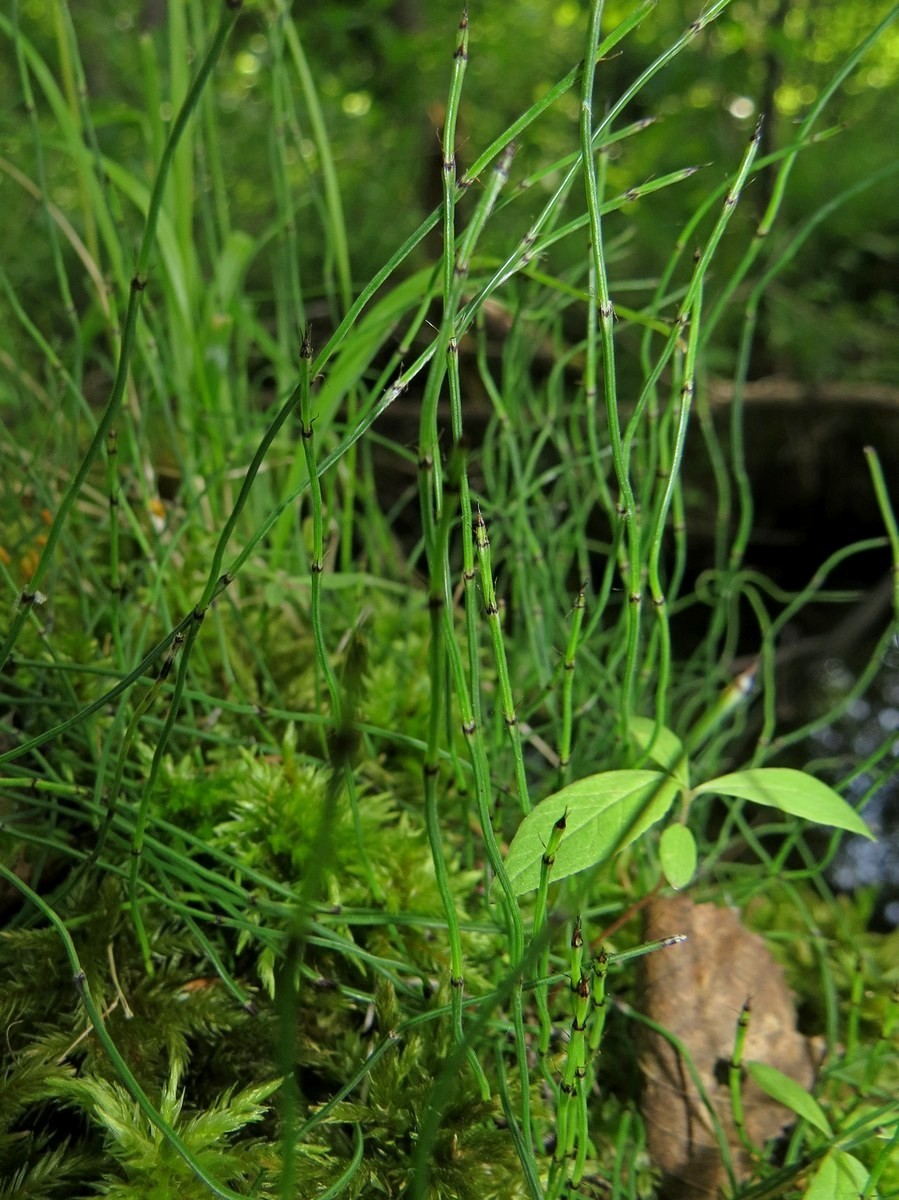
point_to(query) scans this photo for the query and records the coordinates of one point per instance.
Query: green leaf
(839, 1176)
(791, 1094)
(604, 813)
(667, 749)
(792, 792)
(677, 851)
(852, 1176)
(823, 1184)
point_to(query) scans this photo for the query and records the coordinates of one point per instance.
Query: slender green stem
(28, 598)
(889, 519)
(574, 634)
(49, 225)
(601, 301)
(143, 811)
(788, 160)
(541, 932)
(118, 1062)
(317, 565)
(115, 571)
(338, 247)
(598, 1002)
(437, 673)
(734, 1078)
(856, 996)
(507, 703)
(571, 1116)
(430, 471)
(336, 224)
(747, 337)
(475, 739)
(672, 475)
(690, 1070)
(583, 1135)
(340, 1185)
(524, 1154)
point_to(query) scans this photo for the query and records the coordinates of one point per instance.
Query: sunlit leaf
(677, 852)
(667, 749)
(791, 1094)
(823, 1184)
(604, 813)
(839, 1176)
(792, 792)
(852, 1176)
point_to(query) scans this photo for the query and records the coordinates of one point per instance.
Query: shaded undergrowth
(280, 678)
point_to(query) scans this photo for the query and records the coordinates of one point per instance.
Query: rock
(696, 991)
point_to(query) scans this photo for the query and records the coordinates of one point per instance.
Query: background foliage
(335, 599)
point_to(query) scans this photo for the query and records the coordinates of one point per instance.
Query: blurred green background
(381, 69)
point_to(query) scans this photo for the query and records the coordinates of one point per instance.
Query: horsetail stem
(734, 1078)
(143, 810)
(430, 476)
(672, 474)
(571, 1112)
(601, 301)
(577, 619)
(577, 953)
(437, 669)
(598, 1000)
(889, 519)
(230, 10)
(554, 483)
(317, 566)
(540, 933)
(98, 1024)
(113, 492)
(507, 704)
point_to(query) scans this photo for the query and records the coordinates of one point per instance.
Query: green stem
(507, 703)
(889, 519)
(601, 300)
(568, 686)
(29, 596)
(143, 812)
(672, 474)
(598, 1001)
(124, 1071)
(437, 673)
(541, 934)
(734, 1078)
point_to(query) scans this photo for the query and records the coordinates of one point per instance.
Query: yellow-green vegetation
(386, 622)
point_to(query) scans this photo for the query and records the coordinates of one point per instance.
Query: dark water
(871, 722)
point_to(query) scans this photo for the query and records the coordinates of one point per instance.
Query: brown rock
(696, 991)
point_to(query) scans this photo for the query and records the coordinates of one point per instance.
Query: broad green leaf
(792, 792)
(852, 1176)
(823, 1184)
(839, 1176)
(791, 1094)
(667, 749)
(604, 813)
(677, 851)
